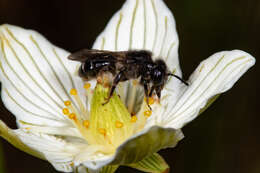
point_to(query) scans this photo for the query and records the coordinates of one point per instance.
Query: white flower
(37, 79)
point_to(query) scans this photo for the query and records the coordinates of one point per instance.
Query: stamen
(135, 82)
(141, 118)
(79, 102)
(70, 106)
(102, 131)
(65, 111)
(87, 85)
(86, 123)
(88, 91)
(78, 119)
(82, 127)
(84, 111)
(73, 91)
(67, 103)
(148, 113)
(73, 116)
(133, 119)
(132, 96)
(151, 100)
(119, 124)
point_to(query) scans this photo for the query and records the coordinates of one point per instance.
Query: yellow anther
(65, 111)
(151, 100)
(67, 103)
(147, 113)
(119, 124)
(73, 91)
(72, 164)
(135, 82)
(87, 85)
(72, 116)
(106, 79)
(102, 131)
(86, 123)
(133, 119)
(28, 128)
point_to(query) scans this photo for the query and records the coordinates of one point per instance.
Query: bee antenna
(183, 81)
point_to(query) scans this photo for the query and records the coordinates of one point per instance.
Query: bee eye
(81, 73)
(87, 66)
(157, 77)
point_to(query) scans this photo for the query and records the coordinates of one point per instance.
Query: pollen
(87, 85)
(72, 116)
(86, 123)
(119, 124)
(65, 111)
(67, 103)
(133, 119)
(73, 91)
(151, 100)
(102, 131)
(147, 113)
(135, 82)
(106, 79)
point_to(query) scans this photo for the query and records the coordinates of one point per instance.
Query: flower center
(107, 124)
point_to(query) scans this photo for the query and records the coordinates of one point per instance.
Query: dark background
(225, 138)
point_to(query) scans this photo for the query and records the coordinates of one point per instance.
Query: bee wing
(84, 54)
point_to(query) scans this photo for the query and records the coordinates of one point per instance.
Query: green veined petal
(109, 169)
(147, 143)
(153, 164)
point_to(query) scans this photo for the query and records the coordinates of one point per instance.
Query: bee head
(159, 73)
(87, 71)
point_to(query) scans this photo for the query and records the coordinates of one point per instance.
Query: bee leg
(151, 91)
(158, 92)
(119, 77)
(146, 92)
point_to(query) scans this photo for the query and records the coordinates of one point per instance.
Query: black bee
(125, 65)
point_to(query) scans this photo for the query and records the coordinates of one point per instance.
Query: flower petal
(142, 24)
(109, 169)
(137, 147)
(36, 77)
(55, 150)
(153, 164)
(10, 136)
(213, 76)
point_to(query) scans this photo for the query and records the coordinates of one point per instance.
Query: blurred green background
(226, 137)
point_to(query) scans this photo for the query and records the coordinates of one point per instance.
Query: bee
(125, 65)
